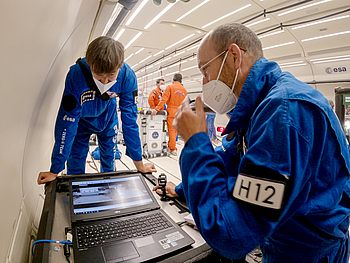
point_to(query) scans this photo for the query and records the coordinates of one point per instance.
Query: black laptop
(116, 218)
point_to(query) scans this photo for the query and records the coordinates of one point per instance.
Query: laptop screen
(109, 195)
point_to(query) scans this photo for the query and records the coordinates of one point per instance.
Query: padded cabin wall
(39, 41)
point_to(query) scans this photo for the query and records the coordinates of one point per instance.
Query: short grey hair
(239, 34)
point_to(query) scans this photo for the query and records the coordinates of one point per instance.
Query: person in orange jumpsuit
(173, 96)
(156, 94)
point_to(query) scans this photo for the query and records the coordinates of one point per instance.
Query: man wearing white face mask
(155, 95)
(89, 106)
(284, 184)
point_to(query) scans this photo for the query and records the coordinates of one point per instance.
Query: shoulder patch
(87, 96)
(69, 102)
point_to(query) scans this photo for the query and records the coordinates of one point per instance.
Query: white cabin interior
(41, 39)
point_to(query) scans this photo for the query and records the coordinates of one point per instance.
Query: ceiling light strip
(140, 50)
(257, 22)
(147, 75)
(158, 53)
(162, 60)
(177, 63)
(271, 34)
(303, 7)
(180, 41)
(172, 73)
(178, 53)
(193, 9)
(227, 15)
(295, 65)
(134, 65)
(330, 60)
(133, 40)
(137, 11)
(320, 22)
(290, 63)
(166, 9)
(324, 36)
(120, 33)
(326, 58)
(143, 60)
(189, 68)
(193, 47)
(118, 7)
(130, 56)
(279, 45)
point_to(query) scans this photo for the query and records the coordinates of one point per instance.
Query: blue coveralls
(82, 113)
(289, 129)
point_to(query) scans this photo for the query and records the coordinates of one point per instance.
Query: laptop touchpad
(119, 252)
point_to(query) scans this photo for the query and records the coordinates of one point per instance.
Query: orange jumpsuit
(173, 96)
(154, 97)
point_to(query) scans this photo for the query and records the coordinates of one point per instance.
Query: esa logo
(66, 118)
(330, 70)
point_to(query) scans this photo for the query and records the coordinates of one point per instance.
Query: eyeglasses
(217, 56)
(202, 68)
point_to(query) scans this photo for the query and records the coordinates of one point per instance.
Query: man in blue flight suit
(286, 188)
(89, 106)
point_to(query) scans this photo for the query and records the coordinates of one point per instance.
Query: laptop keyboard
(100, 233)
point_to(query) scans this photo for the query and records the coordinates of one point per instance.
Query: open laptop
(115, 218)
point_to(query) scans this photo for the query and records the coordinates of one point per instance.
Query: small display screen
(103, 195)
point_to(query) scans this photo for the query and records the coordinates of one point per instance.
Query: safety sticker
(170, 240)
(261, 192)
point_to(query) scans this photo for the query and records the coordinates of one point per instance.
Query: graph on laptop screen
(108, 194)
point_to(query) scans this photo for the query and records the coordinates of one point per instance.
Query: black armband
(69, 102)
(261, 189)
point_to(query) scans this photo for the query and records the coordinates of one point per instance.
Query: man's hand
(145, 168)
(45, 177)
(154, 112)
(188, 123)
(169, 189)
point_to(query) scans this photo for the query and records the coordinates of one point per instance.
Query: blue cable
(61, 242)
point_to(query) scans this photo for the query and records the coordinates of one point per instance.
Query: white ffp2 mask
(104, 87)
(218, 96)
(162, 87)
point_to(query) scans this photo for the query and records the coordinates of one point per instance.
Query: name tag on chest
(260, 192)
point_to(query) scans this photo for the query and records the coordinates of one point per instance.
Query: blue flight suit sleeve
(128, 109)
(179, 189)
(66, 124)
(208, 187)
(226, 145)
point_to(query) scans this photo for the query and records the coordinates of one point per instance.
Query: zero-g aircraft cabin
(175, 131)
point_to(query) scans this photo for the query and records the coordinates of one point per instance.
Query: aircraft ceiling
(304, 36)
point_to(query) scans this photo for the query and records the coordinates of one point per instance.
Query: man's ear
(235, 51)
